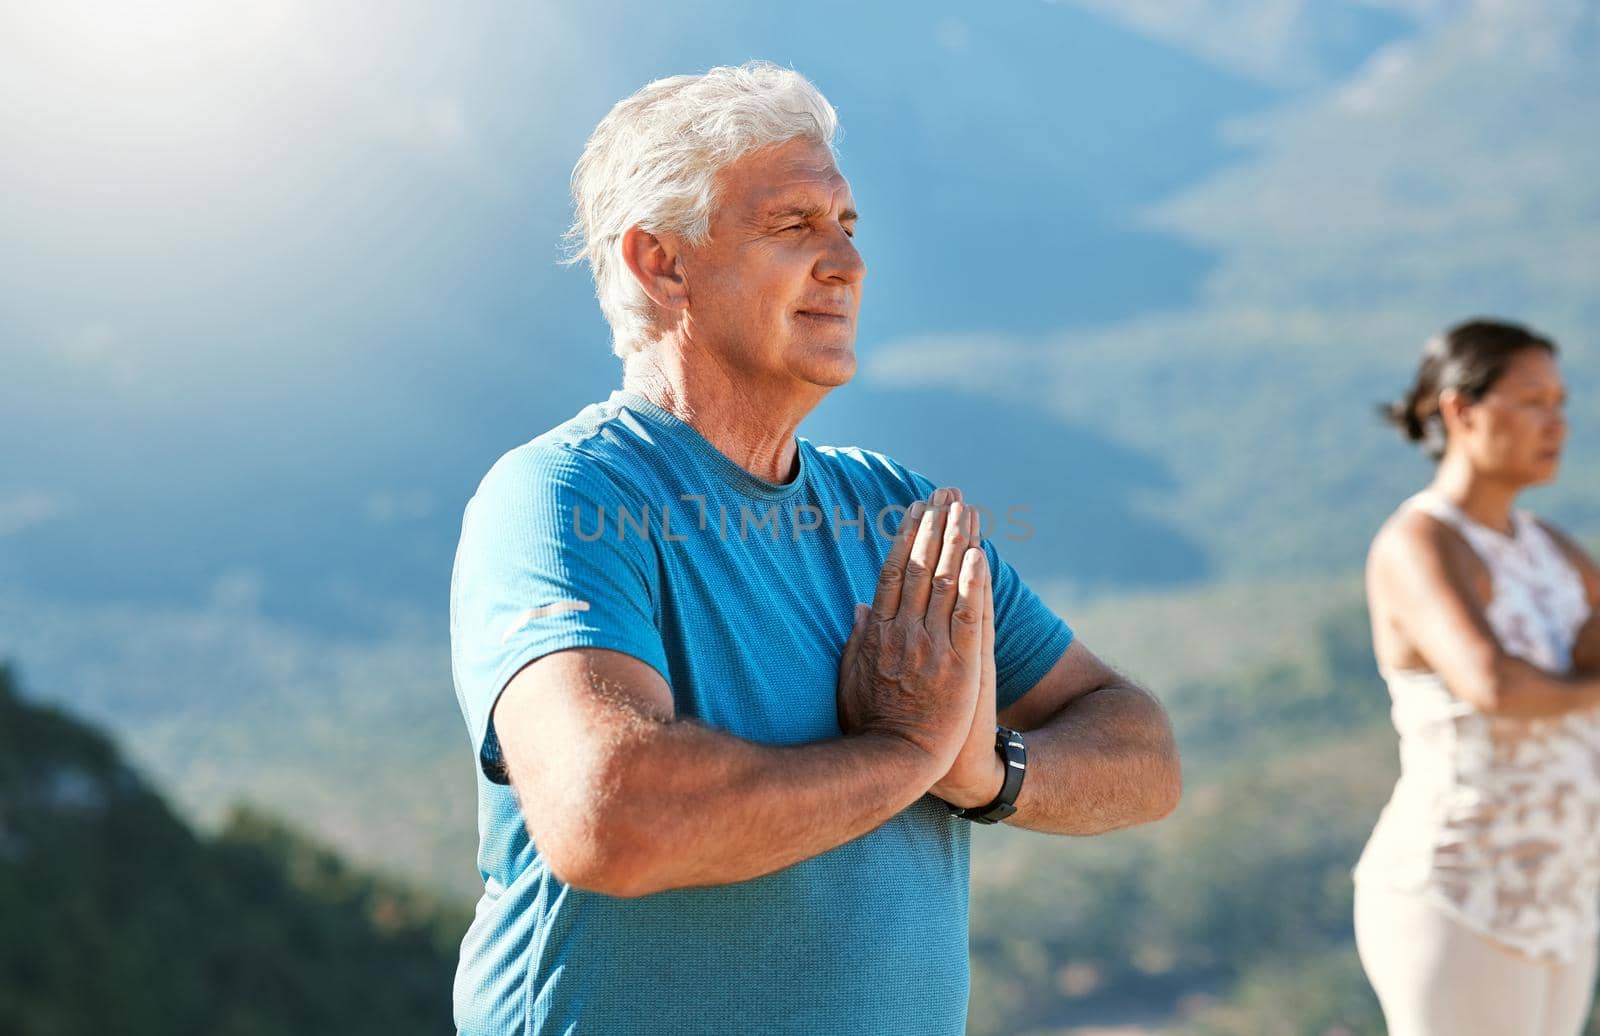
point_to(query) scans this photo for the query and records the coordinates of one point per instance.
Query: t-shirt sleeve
(542, 567)
(1029, 638)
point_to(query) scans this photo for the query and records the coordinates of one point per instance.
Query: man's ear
(653, 261)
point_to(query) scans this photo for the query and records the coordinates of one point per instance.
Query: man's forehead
(805, 195)
(790, 174)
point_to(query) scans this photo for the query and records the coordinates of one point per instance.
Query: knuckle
(966, 613)
(943, 584)
(916, 568)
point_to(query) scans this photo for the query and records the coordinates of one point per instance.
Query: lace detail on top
(1497, 819)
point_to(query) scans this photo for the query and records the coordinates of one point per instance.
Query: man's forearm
(676, 804)
(1105, 761)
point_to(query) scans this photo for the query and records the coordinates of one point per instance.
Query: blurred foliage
(1322, 994)
(117, 918)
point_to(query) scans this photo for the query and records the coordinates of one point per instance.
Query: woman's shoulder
(1417, 523)
(1415, 536)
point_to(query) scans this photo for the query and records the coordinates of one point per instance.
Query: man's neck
(751, 423)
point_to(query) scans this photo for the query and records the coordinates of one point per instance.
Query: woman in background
(1476, 898)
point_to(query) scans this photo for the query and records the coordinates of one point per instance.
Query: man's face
(774, 292)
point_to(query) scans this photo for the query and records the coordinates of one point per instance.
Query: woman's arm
(1586, 649)
(1429, 579)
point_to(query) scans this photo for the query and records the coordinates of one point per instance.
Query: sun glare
(159, 57)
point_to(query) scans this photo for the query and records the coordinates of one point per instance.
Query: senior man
(716, 793)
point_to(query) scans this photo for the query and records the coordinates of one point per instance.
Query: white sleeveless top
(1495, 819)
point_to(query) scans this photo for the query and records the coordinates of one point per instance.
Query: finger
(924, 558)
(947, 572)
(966, 621)
(886, 600)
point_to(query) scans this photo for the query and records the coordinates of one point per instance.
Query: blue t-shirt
(624, 528)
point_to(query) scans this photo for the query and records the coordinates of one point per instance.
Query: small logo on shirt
(539, 613)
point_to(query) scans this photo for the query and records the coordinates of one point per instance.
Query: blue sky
(271, 310)
(277, 287)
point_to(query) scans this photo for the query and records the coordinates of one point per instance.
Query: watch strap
(1014, 753)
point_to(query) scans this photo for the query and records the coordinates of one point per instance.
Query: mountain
(118, 918)
(1450, 173)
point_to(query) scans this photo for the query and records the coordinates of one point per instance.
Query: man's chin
(840, 373)
(830, 365)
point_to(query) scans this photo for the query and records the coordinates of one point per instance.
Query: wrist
(979, 793)
(1013, 754)
(905, 756)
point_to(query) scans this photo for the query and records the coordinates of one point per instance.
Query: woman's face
(1516, 431)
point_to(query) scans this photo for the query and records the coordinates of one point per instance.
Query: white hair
(653, 160)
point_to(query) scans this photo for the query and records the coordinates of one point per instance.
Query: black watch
(1015, 754)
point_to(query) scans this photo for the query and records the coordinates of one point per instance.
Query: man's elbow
(588, 835)
(598, 856)
(1163, 782)
(1167, 788)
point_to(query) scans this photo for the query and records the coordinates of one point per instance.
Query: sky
(276, 291)
(277, 286)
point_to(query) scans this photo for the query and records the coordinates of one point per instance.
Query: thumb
(853, 643)
(966, 621)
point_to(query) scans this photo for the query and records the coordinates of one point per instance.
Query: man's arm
(623, 798)
(1101, 755)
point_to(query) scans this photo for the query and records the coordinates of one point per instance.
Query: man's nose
(842, 261)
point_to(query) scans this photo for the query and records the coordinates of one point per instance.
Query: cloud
(25, 509)
(953, 34)
(1285, 43)
(391, 506)
(236, 591)
(1456, 165)
(972, 360)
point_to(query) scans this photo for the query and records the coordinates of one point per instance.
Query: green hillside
(118, 918)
